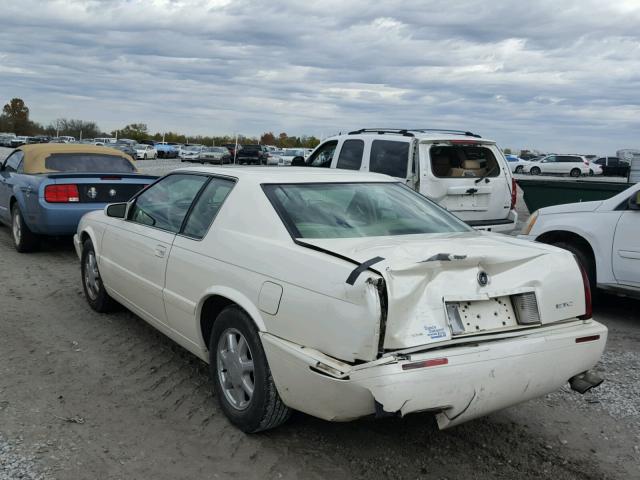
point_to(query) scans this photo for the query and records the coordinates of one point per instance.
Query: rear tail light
(514, 193)
(588, 302)
(526, 308)
(61, 193)
(464, 142)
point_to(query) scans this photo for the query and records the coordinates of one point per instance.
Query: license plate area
(480, 316)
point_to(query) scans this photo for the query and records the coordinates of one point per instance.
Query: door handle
(160, 250)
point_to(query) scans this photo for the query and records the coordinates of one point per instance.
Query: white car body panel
(548, 167)
(322, 336)
(611, 232)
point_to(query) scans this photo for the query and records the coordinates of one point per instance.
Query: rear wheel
(535, 171)
(575, 172)
(241, 376)
(24, 240)
(94, 291)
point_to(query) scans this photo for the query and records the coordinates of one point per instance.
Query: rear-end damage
(458, 383)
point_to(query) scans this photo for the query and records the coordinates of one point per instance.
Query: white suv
(573, 165)
(466, 174)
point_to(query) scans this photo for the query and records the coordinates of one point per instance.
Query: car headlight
(532, 221)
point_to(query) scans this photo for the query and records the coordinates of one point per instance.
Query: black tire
(575, 172)
(24, 240)
(144, 157)
(519, 169)
(535, 171)
(97, 297)
(265, 409)
(585, 261)
(591, 173)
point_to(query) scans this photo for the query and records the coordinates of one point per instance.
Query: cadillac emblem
(483, 278)
(92, 193)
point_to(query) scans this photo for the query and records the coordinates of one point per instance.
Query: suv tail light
(514, 193)
(588, 302)
(61, 193)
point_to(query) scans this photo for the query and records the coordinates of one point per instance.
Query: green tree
(135, 131)
(268, 138)
(16, 115)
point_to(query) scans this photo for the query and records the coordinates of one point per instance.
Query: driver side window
(323, 156)
(165, 204)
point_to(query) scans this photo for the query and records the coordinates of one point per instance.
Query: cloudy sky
(557, 76)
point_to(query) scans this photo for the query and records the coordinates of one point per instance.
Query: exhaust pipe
(585, 381)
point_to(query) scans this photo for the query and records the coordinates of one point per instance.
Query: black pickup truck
(252, 154)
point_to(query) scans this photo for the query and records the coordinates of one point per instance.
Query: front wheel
(591, 174)
(535, 171)
(94, 291)
(144, 157)
(24, 240)
(575, 172)
(241, 376)
(519, 169)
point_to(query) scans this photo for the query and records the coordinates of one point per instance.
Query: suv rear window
(463, 161)
(88, 162)
(390, 158)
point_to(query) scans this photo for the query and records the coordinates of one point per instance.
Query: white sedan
(340, 294)
(603, 235)
(145, 152)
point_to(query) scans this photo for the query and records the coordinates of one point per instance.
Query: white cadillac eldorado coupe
(341, 295)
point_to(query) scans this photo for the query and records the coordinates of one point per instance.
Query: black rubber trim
(482, 223)
(353, 276)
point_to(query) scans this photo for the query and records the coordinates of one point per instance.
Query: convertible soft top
(35, 155)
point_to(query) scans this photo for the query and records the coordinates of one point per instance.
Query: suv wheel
(535, 171)
(24, 240)
(575, 172)
(241, 376)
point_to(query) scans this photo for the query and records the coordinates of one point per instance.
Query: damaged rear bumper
(475, 380)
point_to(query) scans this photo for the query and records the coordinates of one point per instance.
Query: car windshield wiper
(487, 174)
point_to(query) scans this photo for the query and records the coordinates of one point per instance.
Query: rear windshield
(463, 161)
(349, 210)
(88, 162)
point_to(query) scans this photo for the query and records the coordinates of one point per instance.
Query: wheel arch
(554, 236)
(216, 300)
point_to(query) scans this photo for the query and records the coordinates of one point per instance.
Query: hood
(571, 208)
(423, 273)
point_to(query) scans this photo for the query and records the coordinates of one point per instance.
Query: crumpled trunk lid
(424, 273)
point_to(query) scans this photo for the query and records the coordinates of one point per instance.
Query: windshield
(88, 162)
(348, 210)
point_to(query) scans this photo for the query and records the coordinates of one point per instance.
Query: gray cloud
(556, 77)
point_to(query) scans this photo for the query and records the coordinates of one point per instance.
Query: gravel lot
(84, 395)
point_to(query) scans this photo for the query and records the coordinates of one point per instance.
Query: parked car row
(572, 165)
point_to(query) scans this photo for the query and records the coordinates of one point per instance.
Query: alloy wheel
(17, 228)
(91, 276)
(235, 368)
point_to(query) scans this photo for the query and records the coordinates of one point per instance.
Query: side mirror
(116, 210)
(634, 201)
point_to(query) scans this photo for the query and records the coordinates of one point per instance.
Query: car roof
(290, 174)
(36, 154)
(420, 135)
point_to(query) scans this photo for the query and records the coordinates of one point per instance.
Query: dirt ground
(88, 396)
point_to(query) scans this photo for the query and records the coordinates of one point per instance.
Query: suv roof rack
(382, 131)
(408, 132)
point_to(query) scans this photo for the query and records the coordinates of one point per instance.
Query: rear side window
(390, 158)
(165, 204)
(206, 207)
(463, 161)
(351, 155)
(568, 159)
(12, 163)
(88, 162)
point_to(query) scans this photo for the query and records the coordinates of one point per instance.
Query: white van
(466, 174)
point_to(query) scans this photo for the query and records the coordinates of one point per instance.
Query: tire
(24, 240)
(518, 169)
(155, 157)
(585, 262)
(535, 171)
(591, 174)
(575, 172)
(94, 291)
(262, 409)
